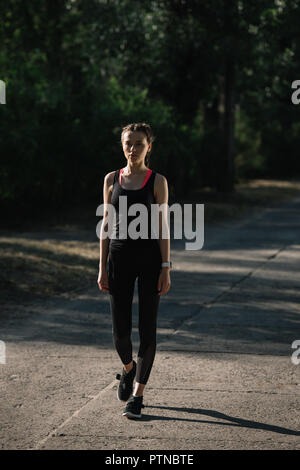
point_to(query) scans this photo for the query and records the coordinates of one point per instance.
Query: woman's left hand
(164, 282)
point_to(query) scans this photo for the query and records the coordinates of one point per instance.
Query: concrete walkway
(222, 378)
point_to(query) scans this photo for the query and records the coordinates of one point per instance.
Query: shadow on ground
(223, 297)
(233, 421)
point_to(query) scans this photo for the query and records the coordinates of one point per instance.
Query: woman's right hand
(103, 280)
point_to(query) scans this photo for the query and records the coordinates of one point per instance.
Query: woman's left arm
(161, 195)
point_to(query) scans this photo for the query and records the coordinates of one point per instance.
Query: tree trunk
(225, 163)
(229, 122)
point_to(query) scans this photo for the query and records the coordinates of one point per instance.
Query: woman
(147, 259)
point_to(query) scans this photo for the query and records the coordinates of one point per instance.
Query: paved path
(222, 378)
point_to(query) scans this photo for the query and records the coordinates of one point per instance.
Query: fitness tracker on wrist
(166, 264)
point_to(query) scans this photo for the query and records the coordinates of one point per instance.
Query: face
(135, 146)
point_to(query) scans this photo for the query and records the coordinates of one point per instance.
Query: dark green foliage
(212, 78)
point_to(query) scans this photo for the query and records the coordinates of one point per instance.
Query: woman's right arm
(104, 241)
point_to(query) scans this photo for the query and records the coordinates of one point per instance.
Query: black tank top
(145, 196)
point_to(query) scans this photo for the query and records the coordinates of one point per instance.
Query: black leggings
(126, 263)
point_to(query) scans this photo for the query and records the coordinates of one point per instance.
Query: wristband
(166, 264)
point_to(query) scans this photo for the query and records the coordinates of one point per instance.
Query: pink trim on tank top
(145, 180)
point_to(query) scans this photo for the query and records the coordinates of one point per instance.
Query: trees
(77, 70)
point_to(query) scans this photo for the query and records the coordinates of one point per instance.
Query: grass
(59, 253)
(31, 267)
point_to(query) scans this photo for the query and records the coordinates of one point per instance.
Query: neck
(134, 169)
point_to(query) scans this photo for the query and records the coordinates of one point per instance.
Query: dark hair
(140, 127)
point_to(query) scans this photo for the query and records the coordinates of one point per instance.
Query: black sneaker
(133, 408)
(126, 383)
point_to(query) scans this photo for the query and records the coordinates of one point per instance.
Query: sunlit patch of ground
(52, 265)
(248, 197)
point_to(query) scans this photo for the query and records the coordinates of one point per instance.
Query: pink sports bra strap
(120, 172)
(145, 180)
(147, 177)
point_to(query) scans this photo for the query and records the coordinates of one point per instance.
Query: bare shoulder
(160, 186)
(160, 180)
(109, 179)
